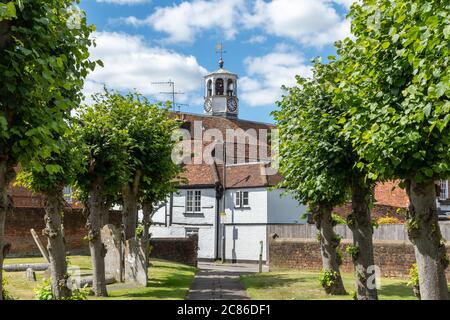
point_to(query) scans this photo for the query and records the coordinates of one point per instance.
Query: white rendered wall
(283, 208)
(243, 242)
(204, 221)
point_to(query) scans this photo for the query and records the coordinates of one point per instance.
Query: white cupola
(221, 93)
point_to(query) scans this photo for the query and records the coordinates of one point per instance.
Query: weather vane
(219, 48)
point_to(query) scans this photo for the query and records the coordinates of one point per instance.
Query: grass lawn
(167, 280)
(304, 285)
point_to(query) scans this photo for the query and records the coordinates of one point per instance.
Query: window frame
(444, 190)
(193, 203)
(240, 197)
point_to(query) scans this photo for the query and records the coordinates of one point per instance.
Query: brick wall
(183, 250)
(19, 223)
(378, 210)
(393, 257)
(390, 194)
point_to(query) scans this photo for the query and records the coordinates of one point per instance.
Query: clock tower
(221, 93)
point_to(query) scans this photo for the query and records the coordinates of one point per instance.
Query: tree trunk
(97, 248)
(54, 207)
(329, 243)
(7, 174)
(425, 234)
(360, 223)
(147, 213)
(129, 212)
(130, 206)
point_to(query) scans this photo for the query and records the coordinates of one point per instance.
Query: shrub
(337, 219)
(5, 293)
(44, 292)
(414, 280)
(328, 280)
(388, 220)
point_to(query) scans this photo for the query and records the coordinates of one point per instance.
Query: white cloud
(266, 74)
(124, 1)
(182, 22)
(257, 39)
(130, 63)
(309, 22)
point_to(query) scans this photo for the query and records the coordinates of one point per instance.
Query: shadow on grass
(269, 281)
(396, 290)
(165, 265)
(171, 286)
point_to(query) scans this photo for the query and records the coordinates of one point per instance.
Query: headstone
(135, 262)
(111, 238)
(41, 247)
(30, 274)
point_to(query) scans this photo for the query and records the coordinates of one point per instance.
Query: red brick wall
(19, 223)
(393, 257)
(390, 194)
(183, 250)
(378, 211)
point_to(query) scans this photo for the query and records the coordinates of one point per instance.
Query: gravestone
(111, 238)
(136, 262)
(30, 274)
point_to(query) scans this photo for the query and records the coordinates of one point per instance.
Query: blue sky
(267, 43)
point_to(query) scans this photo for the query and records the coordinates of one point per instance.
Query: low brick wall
(393, 257)
(19, 223)
(183, 250)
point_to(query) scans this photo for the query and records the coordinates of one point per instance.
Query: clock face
(232, 105)
(208, 105)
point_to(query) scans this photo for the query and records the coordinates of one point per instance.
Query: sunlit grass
(167, 280)
(304, 285)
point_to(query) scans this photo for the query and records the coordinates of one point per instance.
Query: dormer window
(230, 88)
(219, 87)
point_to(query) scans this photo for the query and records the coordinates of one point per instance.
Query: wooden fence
(383, 232)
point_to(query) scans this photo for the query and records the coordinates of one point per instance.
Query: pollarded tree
(398, 69)
(149, 128)
(104, 151)
(48, 177)
(315, 161)
(43, 54)
(156, 188)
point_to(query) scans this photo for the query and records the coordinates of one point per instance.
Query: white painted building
(229, 209)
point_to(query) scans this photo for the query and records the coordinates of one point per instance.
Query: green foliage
(5, 293)
(413, 276)
(328, 279)
(44, 292)
(139, 230)
(103, 148)
(43, 64)
(126, 139)
(337, 219)
(353, 251)
(396, 77)
(316, 161)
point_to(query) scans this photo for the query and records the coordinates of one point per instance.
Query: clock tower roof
(221, 97)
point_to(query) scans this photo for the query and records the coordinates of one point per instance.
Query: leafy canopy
(316, 161)
(396, 75)
(44, 60)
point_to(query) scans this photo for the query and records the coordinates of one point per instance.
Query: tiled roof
(242, 175)
(249, 175)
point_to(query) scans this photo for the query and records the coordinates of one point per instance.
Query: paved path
(216, 281)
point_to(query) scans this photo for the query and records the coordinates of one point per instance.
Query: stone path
(216, 281)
